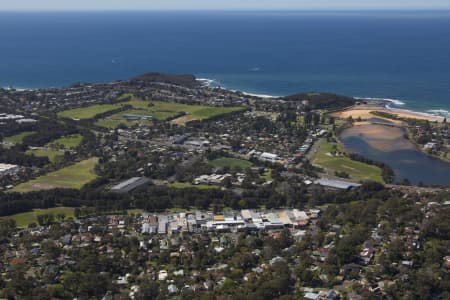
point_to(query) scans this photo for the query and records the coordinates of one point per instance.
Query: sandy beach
(363, 111)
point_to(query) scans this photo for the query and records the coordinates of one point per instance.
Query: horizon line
(430, 9)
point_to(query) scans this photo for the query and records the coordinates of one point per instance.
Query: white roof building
(7, 169)
(162, 275)
(269, 156)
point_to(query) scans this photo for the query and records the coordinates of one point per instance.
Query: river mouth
(388, 144)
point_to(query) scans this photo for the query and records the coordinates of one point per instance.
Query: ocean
(403, 56)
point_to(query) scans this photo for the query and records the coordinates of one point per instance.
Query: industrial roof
(337, 184)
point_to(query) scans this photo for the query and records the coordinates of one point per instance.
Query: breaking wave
(395, 102)
(439, 112)
(206, 81)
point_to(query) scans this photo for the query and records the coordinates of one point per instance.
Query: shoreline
(407, 112)
(364, 111)
(386, 104)
(376, 104)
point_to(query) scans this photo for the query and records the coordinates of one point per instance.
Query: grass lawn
(135, 211)
(74, 177)
(110, 123)
(18, 138)
(24, 219)
(163, 110)
(88, 112)
(186, 185)
(198, 112)
(230, 162)
(53, 155)
(267, 175)
(157, 109)
(115, 120)
(356, 170)
(71, 141)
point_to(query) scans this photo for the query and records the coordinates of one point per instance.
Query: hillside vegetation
(323, 100)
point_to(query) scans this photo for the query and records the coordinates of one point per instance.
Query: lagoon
(388, 144)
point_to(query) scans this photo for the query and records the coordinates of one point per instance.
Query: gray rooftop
(337, 184)
(130, 184)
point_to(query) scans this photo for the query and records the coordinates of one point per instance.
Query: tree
(148, 290)
(45, 219)
(77, 213)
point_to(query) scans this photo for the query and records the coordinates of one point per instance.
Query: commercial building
(199, 221)
(337, 184)
(130, 185)
(163, 223)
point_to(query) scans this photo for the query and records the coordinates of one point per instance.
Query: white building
(7, 169)
(162, 275)
(270, 157)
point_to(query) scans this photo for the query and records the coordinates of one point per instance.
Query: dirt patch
(183, 120)
(44, 186)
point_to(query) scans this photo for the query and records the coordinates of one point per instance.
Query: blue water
(411, 164)
(400, 55)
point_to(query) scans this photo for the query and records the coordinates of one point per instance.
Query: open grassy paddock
(18, 138)
(158, 110)
(53, 155)
(67, 142)
(74, 177)
(115, 120)
(198, 112)
(27, 218)
(88, 112)
(356, 170)
(230, 162)
(267, 175)
(187, 185)
(161, 111)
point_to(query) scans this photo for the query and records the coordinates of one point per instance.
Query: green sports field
(88, 112)
(187, 185)
(74, 177)
(162, 111)
(18, 138)
(27, 218)
(53, 155)
(157, 109)
(67, 142)
(356, 170)
(115, 120)
(230, 162)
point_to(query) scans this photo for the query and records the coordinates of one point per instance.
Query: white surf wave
(396, 102)
(19, 89)
(260, 95)
(206, 81)
(214, 83)
(439, 112)
(393, 104)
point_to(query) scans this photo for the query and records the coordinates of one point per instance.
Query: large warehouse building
(130, 185)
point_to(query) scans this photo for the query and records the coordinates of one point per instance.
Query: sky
(73, 5)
